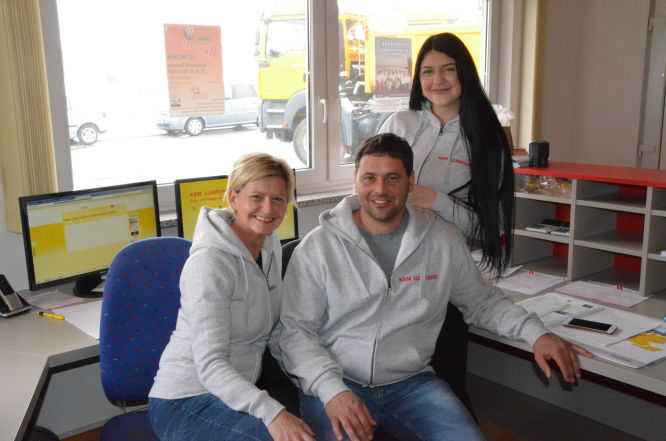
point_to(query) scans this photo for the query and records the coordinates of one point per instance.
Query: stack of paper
(529, 282)
(614, 295)
(633, 344)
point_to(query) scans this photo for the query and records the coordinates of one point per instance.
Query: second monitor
(194, 193)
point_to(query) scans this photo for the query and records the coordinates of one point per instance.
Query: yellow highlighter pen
(48, 314)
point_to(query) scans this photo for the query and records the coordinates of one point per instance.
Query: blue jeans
(421, 408)
(202, 418)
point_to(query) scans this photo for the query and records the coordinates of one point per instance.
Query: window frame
(325, 174)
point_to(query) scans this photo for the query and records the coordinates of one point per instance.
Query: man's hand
(422, 197)
(347, 409)
(551, 347)
(288, 427)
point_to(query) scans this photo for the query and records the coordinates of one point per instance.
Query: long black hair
(491, 187)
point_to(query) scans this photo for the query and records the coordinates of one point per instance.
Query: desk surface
(650, 378)
(31, 345)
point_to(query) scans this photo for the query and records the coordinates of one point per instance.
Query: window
(140, 107)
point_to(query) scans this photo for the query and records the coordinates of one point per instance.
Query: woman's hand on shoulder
(422, 197)
(288, 427)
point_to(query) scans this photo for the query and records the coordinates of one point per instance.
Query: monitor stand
(84, 286)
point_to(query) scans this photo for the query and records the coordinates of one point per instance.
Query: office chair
(450, 358)
(139, 310)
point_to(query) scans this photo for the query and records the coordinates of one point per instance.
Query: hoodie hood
(214, 230)
(339, 221)
(430, 119)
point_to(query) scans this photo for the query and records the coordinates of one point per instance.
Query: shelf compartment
(659, 201)
(655, 276)
(542, 236)
(553, 265)
(616, 277)
(540, 255)
(545, 198)
(606, 267)
(544, 187)
(657, 257)
(532, 211)
(609, 230)
(614, 241)
(618, 197)
(657, 242)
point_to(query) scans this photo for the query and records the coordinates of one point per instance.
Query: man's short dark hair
(387, 144)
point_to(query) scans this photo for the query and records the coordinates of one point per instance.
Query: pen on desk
(48, 314)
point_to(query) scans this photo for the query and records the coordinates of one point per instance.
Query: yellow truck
(281, 50)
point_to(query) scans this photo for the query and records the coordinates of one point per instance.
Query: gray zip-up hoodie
(343, 318)
(229, 309)
(441, 160)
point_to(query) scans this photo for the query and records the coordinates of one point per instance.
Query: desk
(651, 379)
(34, 347)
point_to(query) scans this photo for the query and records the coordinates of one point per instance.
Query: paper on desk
(621, 347)
(554, 309)
(529, 282)
(646, 348)
(628, 325)
(52, 299)
(85, 316)
(603, 293)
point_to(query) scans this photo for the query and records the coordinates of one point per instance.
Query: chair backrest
(287, 251)
(139, 310)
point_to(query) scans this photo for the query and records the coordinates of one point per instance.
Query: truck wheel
(87, 134)
(301, 144)
(194, 126)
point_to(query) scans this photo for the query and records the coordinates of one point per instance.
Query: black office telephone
(11, 303)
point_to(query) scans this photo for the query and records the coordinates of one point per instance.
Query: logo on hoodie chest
(272, 288)
(454, 160)
(417, 278)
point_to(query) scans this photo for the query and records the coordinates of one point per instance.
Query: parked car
(86, 128)
(241, 107)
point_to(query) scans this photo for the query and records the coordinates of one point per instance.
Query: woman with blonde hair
(230, 298)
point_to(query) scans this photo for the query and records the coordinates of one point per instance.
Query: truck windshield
(285, 36)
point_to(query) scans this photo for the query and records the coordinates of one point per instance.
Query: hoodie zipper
(376, 339)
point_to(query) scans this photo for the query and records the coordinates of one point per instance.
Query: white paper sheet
(611, 294)
(529, 282)
(85, 316)
(555, 308)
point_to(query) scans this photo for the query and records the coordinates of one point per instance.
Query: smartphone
(589, 325)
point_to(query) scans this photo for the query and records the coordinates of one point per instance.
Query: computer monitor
(74, 235)
(194, 193)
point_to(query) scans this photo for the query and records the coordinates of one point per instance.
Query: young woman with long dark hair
(462, 159)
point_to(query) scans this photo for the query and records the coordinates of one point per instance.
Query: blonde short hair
(255, 166)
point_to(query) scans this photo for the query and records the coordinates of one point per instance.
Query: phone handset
(7, 295)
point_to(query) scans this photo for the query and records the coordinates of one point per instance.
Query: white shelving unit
(617, 231)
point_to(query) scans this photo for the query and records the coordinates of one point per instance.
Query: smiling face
(259, 208)
(440, 84)
(382, 184)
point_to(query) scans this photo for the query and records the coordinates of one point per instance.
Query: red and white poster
(194, 69)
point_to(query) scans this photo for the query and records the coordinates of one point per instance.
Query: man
(365, 297)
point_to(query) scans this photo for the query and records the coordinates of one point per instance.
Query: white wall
(593, 60)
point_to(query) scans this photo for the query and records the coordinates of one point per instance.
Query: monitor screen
(74, 235)
(192, 194)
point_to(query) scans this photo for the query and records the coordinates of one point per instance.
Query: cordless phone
(10, 302)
